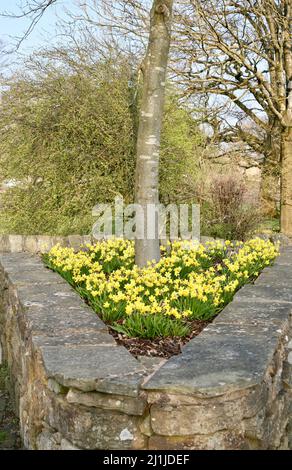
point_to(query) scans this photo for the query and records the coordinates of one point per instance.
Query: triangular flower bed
(77, 388)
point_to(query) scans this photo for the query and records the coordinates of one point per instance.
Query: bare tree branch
(32, 9)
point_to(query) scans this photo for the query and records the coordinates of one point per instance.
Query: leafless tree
(33, 10)
(241, 52)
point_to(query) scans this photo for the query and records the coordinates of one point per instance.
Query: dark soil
(159, 347)
(9, 426)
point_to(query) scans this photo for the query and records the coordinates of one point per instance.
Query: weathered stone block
(223, 440)
(54, 321)
(75, 241)
(66, 445)
(207, 416)
(219, 360)
(30, 244)
(44, 244)
(88, 367)
(130, 406)
(93, 428)
(264, 293)
(17, 262)
(71, 337)
(4, 243)
(16, 243)
(287, 373)
(145, 426)
(46, 441)
(36, 276)
(265, 314)
(56, 387)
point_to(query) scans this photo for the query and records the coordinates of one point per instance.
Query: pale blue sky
(45, 29)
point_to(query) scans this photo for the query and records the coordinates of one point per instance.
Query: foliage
(190, 282)
(269, 226)
(224, 66)
(3, 436)
(68, 140)
(181, 148)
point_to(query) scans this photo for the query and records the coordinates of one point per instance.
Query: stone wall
(75, 388)
(39, 243)
(43, 243)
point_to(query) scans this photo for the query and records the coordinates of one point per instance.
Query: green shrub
(68, 138)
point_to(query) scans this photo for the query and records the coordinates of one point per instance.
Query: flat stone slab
(242, 312)
(13, 262)
(34, 276)
(24, 268)
(89, 368)
(280, 275)
(285, 257)
(48, 296)
(128, 405)
(258, 293)
(56, 319)
(71, 337)
(221, 358)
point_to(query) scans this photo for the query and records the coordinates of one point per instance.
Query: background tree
(241, 53)
(68, 132)
(31, 9)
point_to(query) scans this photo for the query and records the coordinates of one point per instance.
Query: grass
(270, 226)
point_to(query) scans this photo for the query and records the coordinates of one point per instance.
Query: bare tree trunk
(271, 172)
(286, 150)
(150, 123)
(286, 183)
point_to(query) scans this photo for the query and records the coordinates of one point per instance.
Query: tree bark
(286, 157)
(271, 172)
(286, 183)
(149, 131)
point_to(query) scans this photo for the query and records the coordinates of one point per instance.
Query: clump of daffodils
(190, 282)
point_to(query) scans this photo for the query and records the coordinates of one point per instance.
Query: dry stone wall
(40, 243)
(75, 388)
